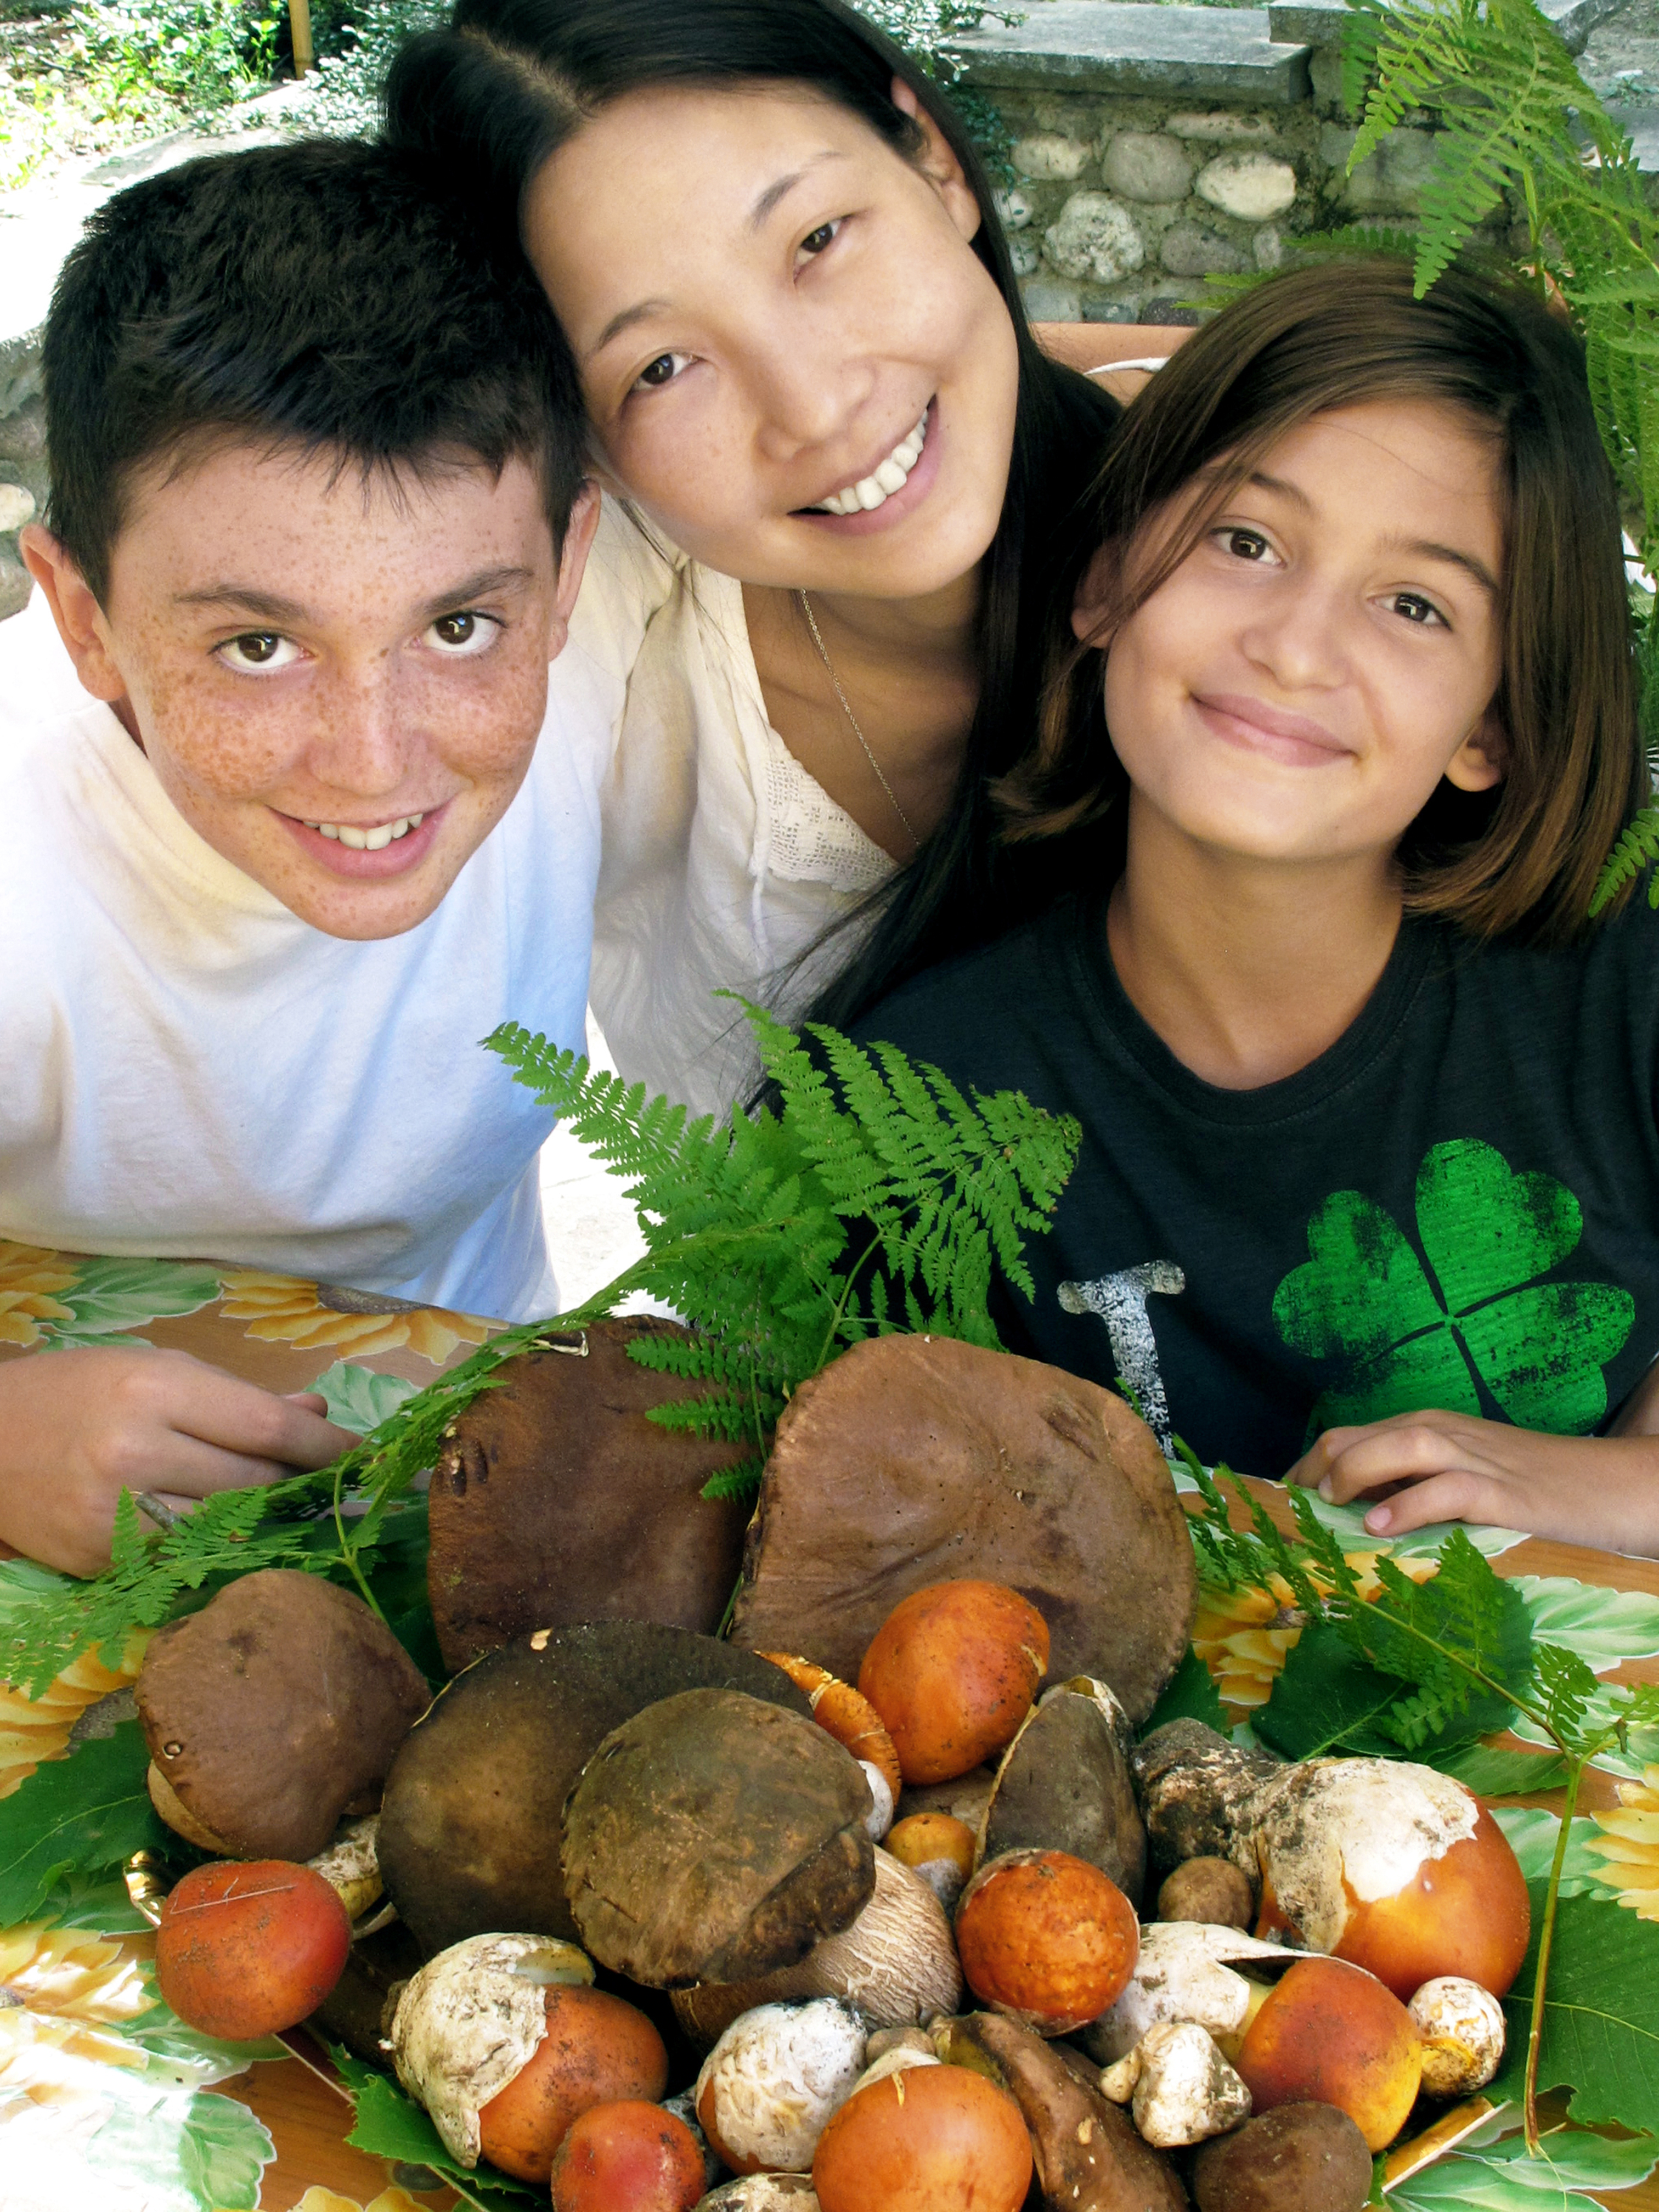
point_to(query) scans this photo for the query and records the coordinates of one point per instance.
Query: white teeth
(871, 491)
(368, 841)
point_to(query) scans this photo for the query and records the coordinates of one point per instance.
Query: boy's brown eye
(257, 645)
(456, 629)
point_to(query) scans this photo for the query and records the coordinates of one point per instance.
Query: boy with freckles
(277, 844)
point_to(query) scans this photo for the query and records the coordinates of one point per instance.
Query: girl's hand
(1597, 1490)
(78, 1427)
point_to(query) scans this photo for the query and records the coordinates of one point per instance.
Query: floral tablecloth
(107, 2105)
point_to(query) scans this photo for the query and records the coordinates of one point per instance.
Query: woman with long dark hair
(840, 461)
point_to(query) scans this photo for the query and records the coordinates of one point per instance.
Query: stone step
(1138, 47)
(1319, 22)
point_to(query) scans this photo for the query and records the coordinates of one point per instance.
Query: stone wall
(1155, 145)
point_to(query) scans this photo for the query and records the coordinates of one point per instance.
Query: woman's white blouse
(723, 861)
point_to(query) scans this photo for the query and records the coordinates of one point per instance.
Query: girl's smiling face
(771, 306)
(1329, 649)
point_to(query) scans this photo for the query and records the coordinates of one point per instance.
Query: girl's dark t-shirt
(1455, 1207)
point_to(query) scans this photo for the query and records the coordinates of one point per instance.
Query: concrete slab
(1138, 47)
(1319, 22)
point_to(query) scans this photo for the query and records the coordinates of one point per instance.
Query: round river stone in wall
(1187, 251)
(1254, 187)
(16, 506)
(1014, 210)
(1095, 237)
(1143, 165)
(1050, 155)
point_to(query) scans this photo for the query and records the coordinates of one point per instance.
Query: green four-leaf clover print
(1410, 1338)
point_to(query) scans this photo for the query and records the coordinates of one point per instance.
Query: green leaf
(1190, 1694)
(360, 1400)
(78, 1815)
(1605, 1627)
(184, 2151)
(1491, 1773)
(1326, 1699)
(1501, 2176)
(109, 1297)
(390, 2125)
(1533, 1831)
(1601, 2035)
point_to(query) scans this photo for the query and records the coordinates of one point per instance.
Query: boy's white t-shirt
(188, 1070)
(723, 861)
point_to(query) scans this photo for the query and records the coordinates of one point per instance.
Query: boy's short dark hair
(322, 293)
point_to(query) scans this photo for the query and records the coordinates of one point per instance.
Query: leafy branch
(1458, 1645)
(878, 1197)
(1519, 125)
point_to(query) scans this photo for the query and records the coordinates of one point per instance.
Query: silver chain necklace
(829, 670)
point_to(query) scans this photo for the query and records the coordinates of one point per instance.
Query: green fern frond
(1636, 850)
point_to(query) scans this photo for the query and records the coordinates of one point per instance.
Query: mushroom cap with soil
(555, 1499)
(472, 1822)
(766, 2091)
(715, 1837)
(274, 1710)
(915, 1460)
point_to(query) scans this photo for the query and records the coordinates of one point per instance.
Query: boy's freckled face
(301, 645)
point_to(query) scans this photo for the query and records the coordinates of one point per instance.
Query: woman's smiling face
(771, 308)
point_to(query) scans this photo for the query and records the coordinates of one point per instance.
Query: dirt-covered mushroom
(1065, 1785)
(1183, 1970)
(351, 1864)
(895, 1963)
(1300, 2158)
(762, 2192)
(471, 2020)
(556, 1501)
(473, 1822)
(914, 1460)
(276, 1710)
(1185, 2091)
(715, 1838)
(1462, 2026)
(1198, 1794)
(767, 2089)
(1088, 2157)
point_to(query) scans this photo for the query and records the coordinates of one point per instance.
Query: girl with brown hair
(1340, 726)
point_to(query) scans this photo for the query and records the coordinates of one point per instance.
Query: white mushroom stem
(1186, 2091)
(352, 1864)
(1117, 2081)
(1462, 2026)
(898, 2060)
(879, 1818)
(468, 2022)
(1184, 1971)
(768, 2087)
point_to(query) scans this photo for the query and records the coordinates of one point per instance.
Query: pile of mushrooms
(871, 1909)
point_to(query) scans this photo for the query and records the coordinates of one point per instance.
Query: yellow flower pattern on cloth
(70, 1974)
(33, 1728)
(317, 1316)
(1243, 1636)
(1629, 1843)
(317, 2199)
(28, 1279)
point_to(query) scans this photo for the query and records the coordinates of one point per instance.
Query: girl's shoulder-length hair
(493, 96)
(1523, 858)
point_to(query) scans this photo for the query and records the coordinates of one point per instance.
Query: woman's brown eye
(815, 240)
(658, 371)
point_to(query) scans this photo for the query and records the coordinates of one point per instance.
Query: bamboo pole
(299, 16)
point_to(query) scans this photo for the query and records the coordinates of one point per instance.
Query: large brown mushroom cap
(276, 1709)
(473, 1819)
(555, 1500)
(912, 1460)
(715, 1838)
